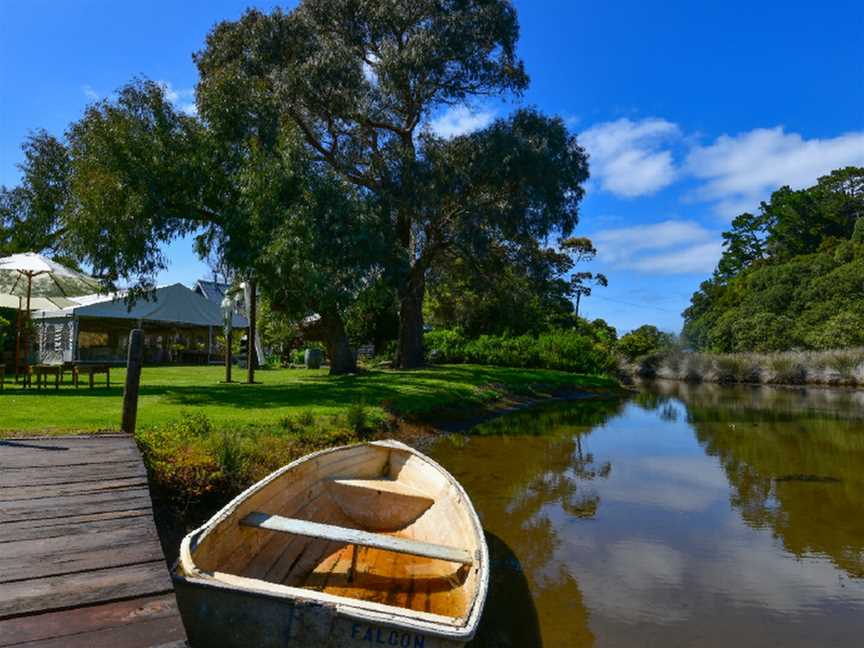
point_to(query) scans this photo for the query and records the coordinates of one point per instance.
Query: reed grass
(834, 367)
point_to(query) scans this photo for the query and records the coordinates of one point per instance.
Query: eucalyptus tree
(29, 211)
(143, 174)
(361, 80)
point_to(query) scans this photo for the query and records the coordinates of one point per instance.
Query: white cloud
(734, 172)
(90, 93)
(189, 108)
(182, 98)
(460, 120)
(737, 172)
(668, 247)
(369, 71)
(629, 157)
(697, 259)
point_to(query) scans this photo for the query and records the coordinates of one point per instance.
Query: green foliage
(791, 277)
(5, 332)
(570, 351)
(373, 317)
(360, 81)
(643, 341)
(358, 418)
(191, 424)
(562, 350)
(858, 234)
(31, 213)
(509, 290)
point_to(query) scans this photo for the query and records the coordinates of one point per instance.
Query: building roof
(212, 290)
(175, 304)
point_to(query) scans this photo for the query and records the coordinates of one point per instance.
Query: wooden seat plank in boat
(379, 504)
(357, 537)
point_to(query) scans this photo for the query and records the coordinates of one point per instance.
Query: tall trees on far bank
(361, 80)
(791, 276)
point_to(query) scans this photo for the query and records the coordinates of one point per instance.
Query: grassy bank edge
(205, 454)
(193, 462)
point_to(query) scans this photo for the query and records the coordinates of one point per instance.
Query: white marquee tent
(180, 325)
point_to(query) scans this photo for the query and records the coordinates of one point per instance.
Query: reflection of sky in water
(667, 559)
(670, 545)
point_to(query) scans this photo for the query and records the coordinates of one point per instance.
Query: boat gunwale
(462, 628)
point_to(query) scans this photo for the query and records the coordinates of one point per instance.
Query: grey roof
(212, 290)
(175, 304)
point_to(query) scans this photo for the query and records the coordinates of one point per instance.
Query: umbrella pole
(27, 326)
(17, 339)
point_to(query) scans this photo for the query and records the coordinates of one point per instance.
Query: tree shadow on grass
(410, 392)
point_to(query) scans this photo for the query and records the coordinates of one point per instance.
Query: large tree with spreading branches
(142, 174)
(361, 79)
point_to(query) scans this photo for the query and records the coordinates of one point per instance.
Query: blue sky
(691, 111)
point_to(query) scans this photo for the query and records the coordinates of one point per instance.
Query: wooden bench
(357, 537)
(91, 370)
(42, 372)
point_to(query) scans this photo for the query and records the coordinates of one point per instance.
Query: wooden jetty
(80, 559)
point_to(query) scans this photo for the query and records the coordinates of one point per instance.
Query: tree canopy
(312, 167)
(360, 81)
(141, 174)
(510, 289)
(29, 212)
(791, 276)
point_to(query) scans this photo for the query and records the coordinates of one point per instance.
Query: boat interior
(373, 523)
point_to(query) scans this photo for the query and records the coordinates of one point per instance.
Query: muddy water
(685, 516)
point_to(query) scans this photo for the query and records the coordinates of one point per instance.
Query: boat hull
(271, 569)
(221, 617)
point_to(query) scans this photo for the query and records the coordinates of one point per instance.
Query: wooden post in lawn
(133, 381)
(229, 339)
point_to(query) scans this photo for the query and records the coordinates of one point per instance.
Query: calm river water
(685, 516)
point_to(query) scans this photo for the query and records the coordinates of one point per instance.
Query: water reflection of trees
(529, 473)
(794, 460)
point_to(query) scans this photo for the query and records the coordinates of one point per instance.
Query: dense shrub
(190, 458)
(5, 332)
(445, 345)
(643, 341)
(561, 350)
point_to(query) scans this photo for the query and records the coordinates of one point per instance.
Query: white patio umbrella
(30, 275)
(36, 303)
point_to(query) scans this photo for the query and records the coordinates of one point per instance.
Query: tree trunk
(330, 330)
(409, 352)
(251, 349)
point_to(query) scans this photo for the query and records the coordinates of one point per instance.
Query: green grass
(168, 392)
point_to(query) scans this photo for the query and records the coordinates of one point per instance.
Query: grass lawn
(166, 392)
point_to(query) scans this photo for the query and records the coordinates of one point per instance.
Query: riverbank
(170, 393)
(204, 440)
(831, 368)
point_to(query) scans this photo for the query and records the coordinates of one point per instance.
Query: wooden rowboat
(370, 544)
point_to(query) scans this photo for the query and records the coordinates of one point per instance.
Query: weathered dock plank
(80, 559)
(97, 625)
(42, 491)
(65, 506)
(70, 525)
